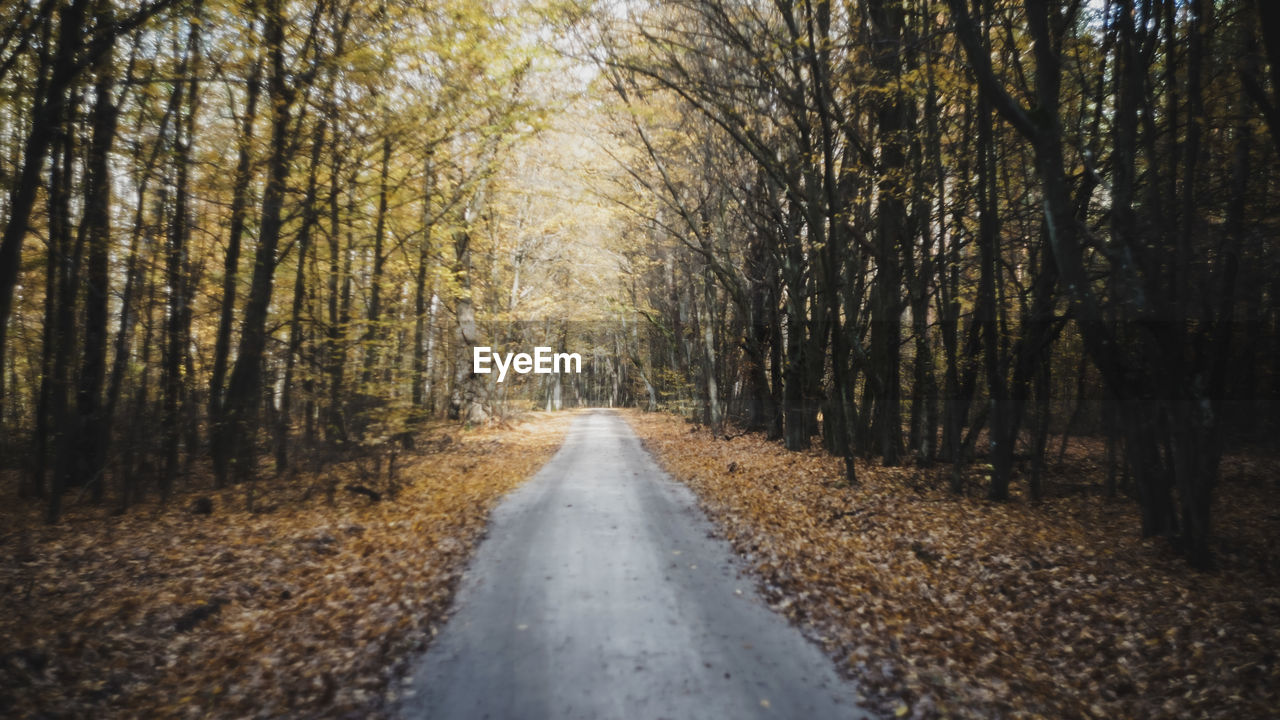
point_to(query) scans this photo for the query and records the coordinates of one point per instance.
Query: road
(599, 592)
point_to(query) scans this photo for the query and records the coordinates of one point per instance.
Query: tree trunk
(231, 264)
(56, 352)
(469, 399)
(373, 335)
(244, 390)
(178, 323)
(91, 427)
(422, 294)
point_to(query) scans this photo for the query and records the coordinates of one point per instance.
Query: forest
(248, 242)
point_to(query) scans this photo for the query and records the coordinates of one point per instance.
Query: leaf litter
(313, 609)
(951, 606)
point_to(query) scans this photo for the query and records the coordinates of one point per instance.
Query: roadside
(958, 607)
(310, 608)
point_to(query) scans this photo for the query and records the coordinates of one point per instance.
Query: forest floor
(308, 607)
(945, 605)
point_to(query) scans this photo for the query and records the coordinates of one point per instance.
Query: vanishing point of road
(600, 593)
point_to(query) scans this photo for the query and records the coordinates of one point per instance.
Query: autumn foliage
(946, 606)
(309, 609)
